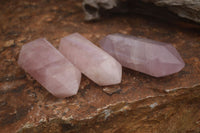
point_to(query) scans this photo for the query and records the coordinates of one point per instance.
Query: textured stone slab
(147, 56)
(26, 106)
(50, 68)
(189, 9)
(91, 60)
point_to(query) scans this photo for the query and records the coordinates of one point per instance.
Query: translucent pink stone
(92, 61)
(147, 56)
(50, 68)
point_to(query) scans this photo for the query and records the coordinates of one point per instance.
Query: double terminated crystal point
(147, 56)
(60, 76)
(92, 61)
(50, 68)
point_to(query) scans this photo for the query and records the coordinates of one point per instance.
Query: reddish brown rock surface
(140, 104)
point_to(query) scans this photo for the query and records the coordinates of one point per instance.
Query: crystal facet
(92, 61)
(147, 56)
(50, 68)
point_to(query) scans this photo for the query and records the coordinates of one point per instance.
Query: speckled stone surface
(140, 104)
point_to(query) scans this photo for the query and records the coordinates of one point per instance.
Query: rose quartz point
(92, 61)
(147, 56)
(50, 68)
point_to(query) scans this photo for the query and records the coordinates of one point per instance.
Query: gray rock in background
(189, 9)
(92, 7)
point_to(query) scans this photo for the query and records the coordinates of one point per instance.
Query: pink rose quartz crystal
(50, 68)
(147, 56)
(92, 61)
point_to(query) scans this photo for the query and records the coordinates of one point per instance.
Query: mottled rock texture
(141, 104)
(189, 9)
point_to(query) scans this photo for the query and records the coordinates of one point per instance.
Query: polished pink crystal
(147, 56)
(50, 68)
(92, 61)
